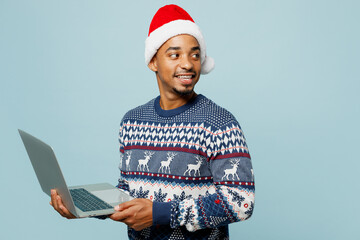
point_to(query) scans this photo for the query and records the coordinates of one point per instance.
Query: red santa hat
(169, 21)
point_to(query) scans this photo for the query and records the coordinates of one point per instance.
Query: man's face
(177, 64)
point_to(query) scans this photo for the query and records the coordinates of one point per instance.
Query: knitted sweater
(193, 163)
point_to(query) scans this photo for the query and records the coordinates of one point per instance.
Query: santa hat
(169, 21)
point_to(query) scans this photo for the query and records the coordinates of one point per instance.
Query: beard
(184, 93)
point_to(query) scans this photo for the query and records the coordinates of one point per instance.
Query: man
(183, 158)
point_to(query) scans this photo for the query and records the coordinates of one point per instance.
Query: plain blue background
(288, 71)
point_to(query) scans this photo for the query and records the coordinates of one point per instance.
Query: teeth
(184, 76)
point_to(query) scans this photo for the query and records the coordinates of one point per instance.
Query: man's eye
(174, 55)
(196, 55)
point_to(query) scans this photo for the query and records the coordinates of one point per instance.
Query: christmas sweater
(193, 163)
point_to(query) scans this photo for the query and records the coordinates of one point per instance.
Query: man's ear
(153, 64)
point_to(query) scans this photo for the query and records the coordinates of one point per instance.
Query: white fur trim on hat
(160, 35)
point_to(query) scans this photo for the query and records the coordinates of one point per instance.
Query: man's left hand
(136, 213)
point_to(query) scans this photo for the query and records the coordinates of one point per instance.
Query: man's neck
(168, 102)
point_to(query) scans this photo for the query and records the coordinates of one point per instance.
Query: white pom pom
(207, 65)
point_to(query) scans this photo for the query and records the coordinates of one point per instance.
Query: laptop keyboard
(86, 201)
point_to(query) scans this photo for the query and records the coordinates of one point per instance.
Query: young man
(183, 157)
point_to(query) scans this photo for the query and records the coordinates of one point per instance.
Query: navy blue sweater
(193, 163)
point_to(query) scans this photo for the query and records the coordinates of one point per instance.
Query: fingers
(120, 216)
(53, 199)
(124, 211)
(125, 205)
(61, 208)
(136, 213)
(58, 205)
(127, 216)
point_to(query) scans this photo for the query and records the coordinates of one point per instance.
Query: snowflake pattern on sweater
(193, 163)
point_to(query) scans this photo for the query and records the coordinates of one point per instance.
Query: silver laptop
(82, 201)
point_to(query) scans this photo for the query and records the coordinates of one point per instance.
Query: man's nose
(186, 63)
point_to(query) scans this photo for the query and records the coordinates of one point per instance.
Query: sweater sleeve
(230, 165)
(122, 183)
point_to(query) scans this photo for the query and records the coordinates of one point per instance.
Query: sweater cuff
(161, 213)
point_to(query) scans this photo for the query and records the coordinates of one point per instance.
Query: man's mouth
(185, 78)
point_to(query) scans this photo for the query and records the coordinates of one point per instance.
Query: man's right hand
(58, 205)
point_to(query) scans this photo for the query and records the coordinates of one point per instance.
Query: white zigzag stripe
(195, 191)
(198, 136)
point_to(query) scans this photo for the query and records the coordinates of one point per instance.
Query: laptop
(82, 201)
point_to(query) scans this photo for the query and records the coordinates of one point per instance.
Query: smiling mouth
(185, 78)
